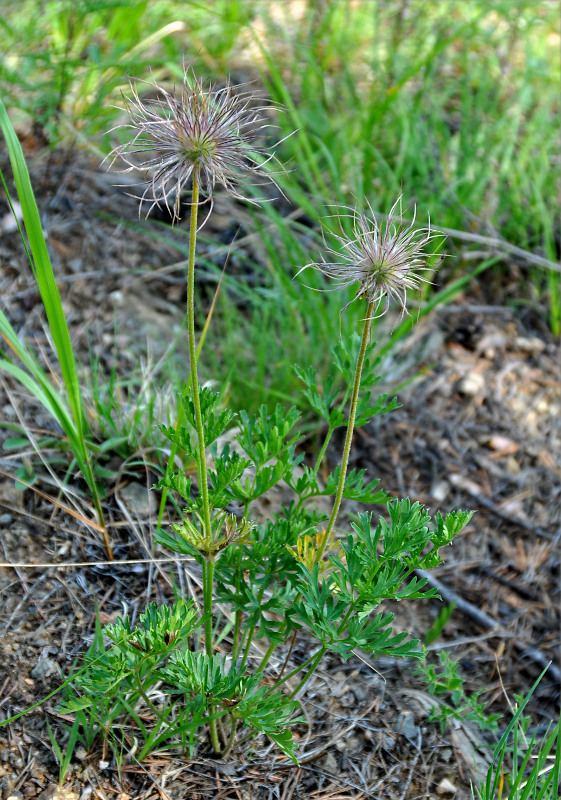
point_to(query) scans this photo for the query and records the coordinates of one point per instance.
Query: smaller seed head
(384, 260)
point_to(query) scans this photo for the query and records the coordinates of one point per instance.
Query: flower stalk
(208, 563)
(350, 430)
(202, 470)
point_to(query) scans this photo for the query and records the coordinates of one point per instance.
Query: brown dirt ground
(479, 428)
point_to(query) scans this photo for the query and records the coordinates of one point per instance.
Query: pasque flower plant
(300, 572)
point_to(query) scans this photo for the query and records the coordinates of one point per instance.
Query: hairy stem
(350, 430)
(208, 566)
(202, 471)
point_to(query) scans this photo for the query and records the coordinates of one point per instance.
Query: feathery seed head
(385, 260)
(201, 132)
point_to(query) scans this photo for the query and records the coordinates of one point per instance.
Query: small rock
(87, 793)
(502, 445)
(103, 765)
(360, 692)
(9, 222)
(5, 519)
(446, 754)
(446, 787)
(139, 500)
(329, 763)
(44, 668)
(512, 467)
(57, 793)
(406, 726)
(11, 494)
(339, 686)
(81, 753)
(532, 344)
(41, 637)
(471, 384)
(76, 264)
(117, 298)
(542, 406)
(439, 490)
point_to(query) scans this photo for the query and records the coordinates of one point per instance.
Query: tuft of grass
(535, 762)
(67, 407)
(63, 60)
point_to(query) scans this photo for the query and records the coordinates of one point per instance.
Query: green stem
(231, 740)
(323, 449)
(287, 659)
(250, 634)
(145, 697)
(290, 675)
(266, 657)
(238, 616)
(236, 638)
(208, 565)
(208, 576)
(350, 430)
(90, 480)
(316, 659)
(202, 471)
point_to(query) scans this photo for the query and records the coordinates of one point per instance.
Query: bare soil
(480, 428)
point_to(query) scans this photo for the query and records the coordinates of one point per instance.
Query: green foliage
(233, 693)
(439, 624)
(214, 422)
(329, 396)
(258, 569)
(265, 436)
(354, 487)
(331, 616)
(444, 681)
(65, 758)
(129, 664)
(127, 410)
(118, 681)
(229, 467)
